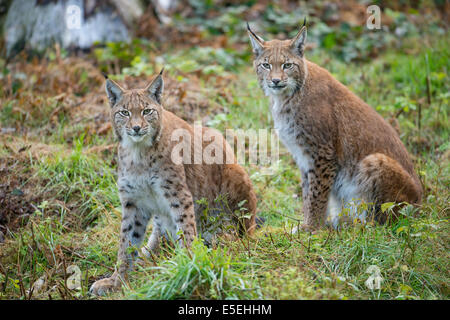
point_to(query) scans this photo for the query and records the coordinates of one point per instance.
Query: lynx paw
(145, 252)
(103, 286)
(304, 228)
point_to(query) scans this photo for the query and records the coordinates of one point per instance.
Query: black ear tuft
(113, 91)
(253, 34)
(256, 41)
(105, 75)
(299, 42)
(156, 87)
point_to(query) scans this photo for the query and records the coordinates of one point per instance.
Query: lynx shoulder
(154, 186)
(346, 152)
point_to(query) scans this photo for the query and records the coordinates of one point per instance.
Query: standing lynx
(151, 185)
(346, 152)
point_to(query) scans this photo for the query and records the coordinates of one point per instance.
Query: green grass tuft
(201, 273)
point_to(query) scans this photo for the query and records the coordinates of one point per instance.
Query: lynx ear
(256, 41)
(113, 91)
(298, 43)
(156, 88)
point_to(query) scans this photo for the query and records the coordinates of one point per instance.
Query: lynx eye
(287, 65)
(125, 113)
(266, 66)
(147, 111)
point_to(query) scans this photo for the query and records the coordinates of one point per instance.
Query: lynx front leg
(181, 205)
(184, 216)
(317, 186)
(132, 232)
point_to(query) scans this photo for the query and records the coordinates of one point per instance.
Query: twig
(87, 279)
(428, 82)
(85, 258)
(419, 117)
(19, 272)
(61, 293)
(30, 292)
(271, 239)
(309, 242)
(287, 216)
(21, 286)
(328, 237)
(6, 282)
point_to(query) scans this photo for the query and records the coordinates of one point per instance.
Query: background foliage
(59, 204)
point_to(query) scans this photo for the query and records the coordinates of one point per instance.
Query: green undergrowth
(77, 218)
(199, 273)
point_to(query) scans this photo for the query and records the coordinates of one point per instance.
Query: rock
(39, 285)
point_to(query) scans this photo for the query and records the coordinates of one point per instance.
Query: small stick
(428, 82)
(287, 216)
(85, 258)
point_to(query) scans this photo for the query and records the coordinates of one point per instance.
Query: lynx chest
(290, 134)
(141, 184)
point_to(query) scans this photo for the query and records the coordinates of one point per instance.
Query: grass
(77, 219)
(199, 273)
(81, 182)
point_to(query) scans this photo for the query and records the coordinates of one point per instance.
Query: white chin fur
(137, 138)
(278, 92)
(274, 92)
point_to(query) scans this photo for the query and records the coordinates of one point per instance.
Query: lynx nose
(276, 81)
(136, 128)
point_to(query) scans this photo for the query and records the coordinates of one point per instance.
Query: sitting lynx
(346, 152)
(151, 185)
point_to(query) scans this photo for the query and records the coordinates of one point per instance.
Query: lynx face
(136, 114)
(279, 64)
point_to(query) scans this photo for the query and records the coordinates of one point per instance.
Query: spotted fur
(151, 185)
(345, 151)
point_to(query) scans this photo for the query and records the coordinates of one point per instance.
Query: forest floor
(59, 206)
